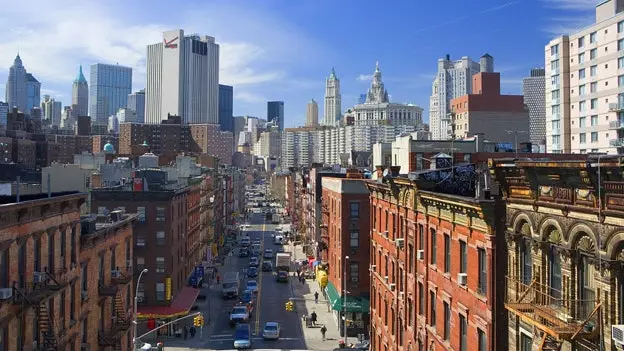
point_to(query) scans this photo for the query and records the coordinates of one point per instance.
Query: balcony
(43, 286)
(619, 142)
(616, 107)
(121, 276)
(616, 124)
(107, 290)
(559, 318)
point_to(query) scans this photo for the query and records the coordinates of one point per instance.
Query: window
(160, 291)
(620, 44)
(592, 70)
(354, 239)
(463, 331)
(594, 137)
(526, 343)
(581, 73)
(620, 27)
(555, 94)
(410, 258)
(421, 299)
(84, 281)
(447, 321)
(526, 262)
(160, 214)
(354, 272)
(141, 293)
(482, 271)
(140, 261)
(594, 120)
(72, 305)
(554, 65)
(463, 257)
(141, 213)
(581, 90)
(355, 210)
(582, 138)
(592, 37)
(4, 269)
(581, 42)
(581, 57)
(554, 50)
(410, 312)
(554, 125)
(432, 309)
(160, 238)
(593, 104)
(582, 122)
(160, 265)
(447, 253)
(481, 340)
(593, 87)
(421, 237)
(433, 246)
(581, 106)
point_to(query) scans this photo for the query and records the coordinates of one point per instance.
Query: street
(269, 305)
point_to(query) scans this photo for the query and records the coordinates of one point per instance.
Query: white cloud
(365, 77)
(578, 5)
(249, 97)
(255, 48)
(566, 25)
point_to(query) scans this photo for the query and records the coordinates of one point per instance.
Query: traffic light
(290, 306)
(198, 321)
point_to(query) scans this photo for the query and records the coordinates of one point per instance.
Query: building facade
(226, 107)
(534, 92)
(16, 86)
(275, 113)
(434, 264)
(109, 88)
(80, 95)
(564, 242)
(453, 79)
(183, 79)
(332, 108)
(585, 107)
(312, 114)
(136, 104)
(33, 95)
(345, 235)
(51, 111)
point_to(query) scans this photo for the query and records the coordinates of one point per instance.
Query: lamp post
(134, 314)
(344, 299)
(515, 133)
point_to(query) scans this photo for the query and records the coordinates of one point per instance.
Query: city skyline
(259, 61)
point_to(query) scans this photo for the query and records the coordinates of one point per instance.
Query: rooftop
(7, 200)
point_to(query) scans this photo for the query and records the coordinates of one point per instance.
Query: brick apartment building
(167, 228)
(565, 283)
(435, 257)
(49, 300)
(345, 233)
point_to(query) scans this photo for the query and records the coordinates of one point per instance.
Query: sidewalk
(304, 302)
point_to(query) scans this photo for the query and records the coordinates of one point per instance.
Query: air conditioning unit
(373, 267)
(386, 279)
(385, 234)
(462, 278)
(115, 274)
(617, 333)
(399, 243)
(420, 254)
(39, 277)
(84, 295)
(392, 287)
(401, 294)
(6, 293)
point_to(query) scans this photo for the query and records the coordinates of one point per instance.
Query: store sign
(171, 44)
(168, 289)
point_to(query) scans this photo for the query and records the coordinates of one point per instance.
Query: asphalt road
(270, 301)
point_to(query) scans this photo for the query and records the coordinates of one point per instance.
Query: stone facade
(564, 240)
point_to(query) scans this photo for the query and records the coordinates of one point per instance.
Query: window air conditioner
(420, 254)
(399, 243)
(617, 334)
(462, 278)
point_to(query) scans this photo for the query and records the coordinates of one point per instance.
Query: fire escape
(121, 320)
(51, 333)
(557, 318)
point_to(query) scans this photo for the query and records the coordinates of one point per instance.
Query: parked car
(282, 277)
(242, 336)
(252, 272)
(271, 331)
(252, 285)
(267, 266)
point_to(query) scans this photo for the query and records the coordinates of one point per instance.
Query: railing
(550, 311)
(124, 277)
(34, 292)
(616, 107)
(107, 290)
(616, 142)
(616, 124)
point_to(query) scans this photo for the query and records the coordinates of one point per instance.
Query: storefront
(357, 311)
(156, 316)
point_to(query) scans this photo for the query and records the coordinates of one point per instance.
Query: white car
(271, 331)
(252, 286)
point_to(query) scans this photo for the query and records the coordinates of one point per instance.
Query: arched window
(525, 261)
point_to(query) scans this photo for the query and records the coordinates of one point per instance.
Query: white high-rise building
(333, 100)
(51, 110)
(534, 92)
(312, 114)
(454, 79)
(80, 95)
(183, 79)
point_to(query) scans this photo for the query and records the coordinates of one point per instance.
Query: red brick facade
(419, 240)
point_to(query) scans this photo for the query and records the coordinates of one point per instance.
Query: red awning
(180, 306)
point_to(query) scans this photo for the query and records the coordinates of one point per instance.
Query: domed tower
(109, 149)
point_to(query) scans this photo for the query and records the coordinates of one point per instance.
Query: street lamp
(134, 314)
(344, 299)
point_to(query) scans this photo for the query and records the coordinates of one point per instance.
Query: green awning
(354, 303)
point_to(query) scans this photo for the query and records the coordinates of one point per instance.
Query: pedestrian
(323, 331)
(302, 279)
(192, 331)
(186, 331)
(316, 297)
(313, 318)
(218, 278)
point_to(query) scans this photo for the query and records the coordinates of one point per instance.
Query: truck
(282, 262)
(231, 285)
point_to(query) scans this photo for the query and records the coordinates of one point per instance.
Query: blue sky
(283, 50)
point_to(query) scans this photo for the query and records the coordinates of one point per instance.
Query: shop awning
(354, 303)
(180, 306)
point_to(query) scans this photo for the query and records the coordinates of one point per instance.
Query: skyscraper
(51, 110)
(109, 89)
(33, 93)
(275, 112)
(333, 100)
(16, 86)
(80, 95)
(312, 114)
(454, 79)
(136, 104)
(534, 91)
(226, 107)
(183, 78)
